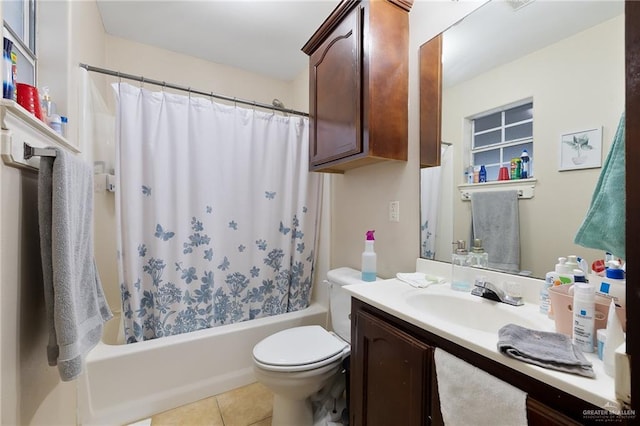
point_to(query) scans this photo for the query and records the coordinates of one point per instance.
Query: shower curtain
(431, 206)
(217, 213)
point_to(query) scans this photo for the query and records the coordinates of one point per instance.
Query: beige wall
(563, 103)
(31, 391)
(360, 198)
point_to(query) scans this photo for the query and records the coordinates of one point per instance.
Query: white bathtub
(124, 383)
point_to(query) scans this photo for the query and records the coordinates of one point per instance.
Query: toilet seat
(299, 349)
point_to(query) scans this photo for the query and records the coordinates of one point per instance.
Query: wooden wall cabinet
(358, 85)
(393, 378)
(430, 102)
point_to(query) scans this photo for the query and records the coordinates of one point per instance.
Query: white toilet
(297, 362)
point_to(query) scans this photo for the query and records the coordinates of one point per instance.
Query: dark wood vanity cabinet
(358, 85)
(391, 381)
(394, 380)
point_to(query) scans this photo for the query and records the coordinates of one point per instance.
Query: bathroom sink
(471, 312)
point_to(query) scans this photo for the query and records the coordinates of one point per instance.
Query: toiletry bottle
(482, 177)
(476, 174)
(7, 72)
(460, 257)
(615, 337)
(65, 121)
(613, 284)
(525, 171)
(559, 276)
(584, 303)
(46, 103)
(572, 262)
(14, 74)
(369, 259)
(478, 257)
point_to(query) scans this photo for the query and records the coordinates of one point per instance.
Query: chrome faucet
(484, 288)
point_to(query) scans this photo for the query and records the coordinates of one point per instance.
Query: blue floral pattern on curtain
(218, 238)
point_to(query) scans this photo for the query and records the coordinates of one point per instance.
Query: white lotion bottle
(615, 337)
(369, 259)
(584, 305)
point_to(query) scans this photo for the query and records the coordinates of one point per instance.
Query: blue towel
(604, 226)
(74, 301)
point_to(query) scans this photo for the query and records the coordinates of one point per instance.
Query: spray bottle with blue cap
(369, 259)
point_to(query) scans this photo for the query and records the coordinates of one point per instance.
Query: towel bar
(467, 195)
(30, 151)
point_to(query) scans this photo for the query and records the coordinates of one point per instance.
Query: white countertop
(393, 296)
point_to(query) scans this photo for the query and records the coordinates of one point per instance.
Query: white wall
(573, 89)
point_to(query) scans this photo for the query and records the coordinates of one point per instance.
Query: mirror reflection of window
(499, 136)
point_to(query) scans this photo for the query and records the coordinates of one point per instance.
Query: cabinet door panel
(390, 375)
(336, 70)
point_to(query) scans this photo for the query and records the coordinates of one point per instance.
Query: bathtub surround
(219, 226)
(74, 300)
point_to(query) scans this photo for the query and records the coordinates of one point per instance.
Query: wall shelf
(19, 127)
(525, 188)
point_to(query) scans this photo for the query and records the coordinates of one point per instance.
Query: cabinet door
(430, 101)
(538, 414)
(336, 93)
(390, 375)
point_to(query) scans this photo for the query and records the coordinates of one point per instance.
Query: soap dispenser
(478, 257)
(459, 257)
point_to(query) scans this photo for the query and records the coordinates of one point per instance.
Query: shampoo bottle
(369, 259)
(584, 304)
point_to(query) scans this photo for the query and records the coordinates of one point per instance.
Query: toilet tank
(340, 300)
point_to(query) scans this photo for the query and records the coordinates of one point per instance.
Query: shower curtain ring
(141, 82)
(119, 77)
(189, 91)
(164, 85)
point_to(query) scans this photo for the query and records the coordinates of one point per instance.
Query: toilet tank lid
(344, 276)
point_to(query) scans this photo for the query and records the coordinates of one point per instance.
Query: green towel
(604, 226)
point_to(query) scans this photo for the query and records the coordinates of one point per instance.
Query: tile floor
(250, 405)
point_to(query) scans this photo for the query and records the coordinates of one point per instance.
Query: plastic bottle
(545, 302)
(561, 275)
(613, 284)
(482, 176)
(525, 167)
(7, 70)
(14, 74)
(369, 259)
(64, 120)
(55, 122)
(572, 262)
(46, 103)
(615, 337)
(584, 304)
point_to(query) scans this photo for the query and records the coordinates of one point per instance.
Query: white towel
(470, 396)
(496, 221)
(418, 279)
(74, 300)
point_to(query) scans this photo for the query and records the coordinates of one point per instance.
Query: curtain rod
(189, 89)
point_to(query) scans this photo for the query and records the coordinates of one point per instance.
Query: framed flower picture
(581, 150)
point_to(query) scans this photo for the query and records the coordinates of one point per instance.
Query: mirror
(565, 57)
